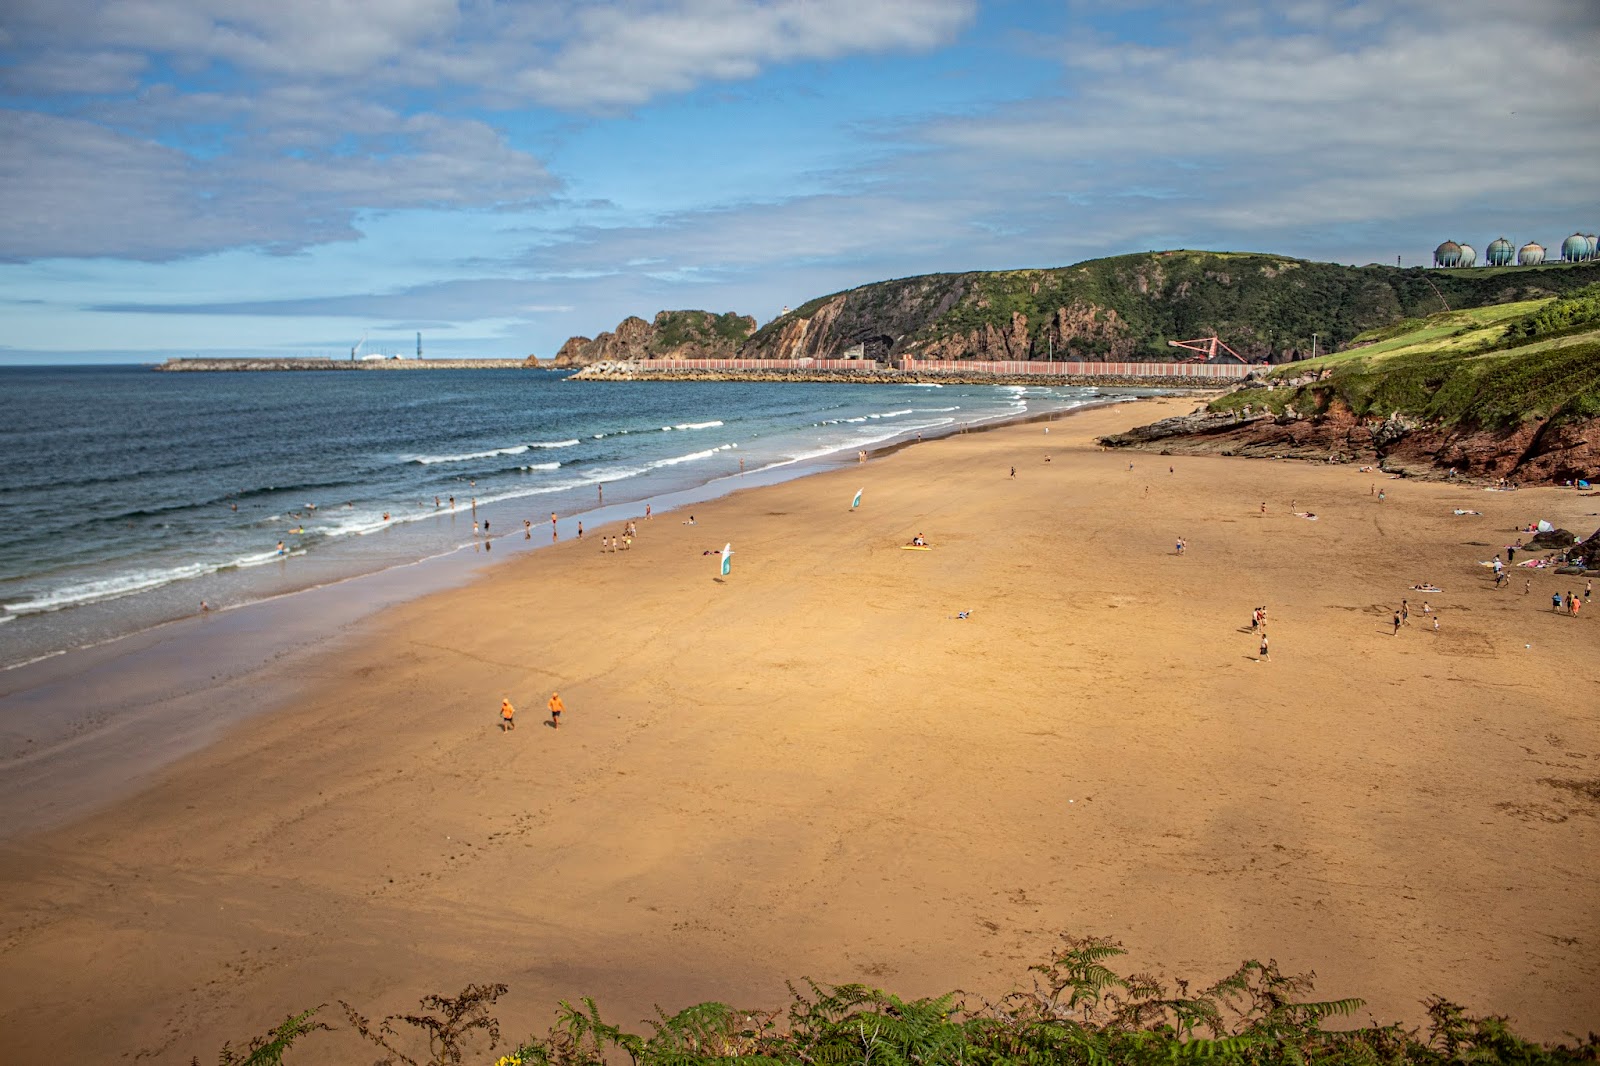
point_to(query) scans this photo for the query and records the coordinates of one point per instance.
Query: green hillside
(1491, 368)
(1129, 306)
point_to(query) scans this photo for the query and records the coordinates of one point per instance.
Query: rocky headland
(1268, 308)
(671, 335)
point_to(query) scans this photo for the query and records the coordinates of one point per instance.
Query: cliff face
(673, 335)
(1532, 452)
(1128, 307)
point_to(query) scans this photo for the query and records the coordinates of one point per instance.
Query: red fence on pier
(860, 365)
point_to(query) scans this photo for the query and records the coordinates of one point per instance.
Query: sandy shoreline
(813, 768)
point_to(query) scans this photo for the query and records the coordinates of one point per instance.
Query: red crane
(1207, 347)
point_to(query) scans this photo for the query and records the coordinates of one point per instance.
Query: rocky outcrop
(672, 335)
(1532, 452)
(1587, 554)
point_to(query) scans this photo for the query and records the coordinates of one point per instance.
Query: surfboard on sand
(915, 548)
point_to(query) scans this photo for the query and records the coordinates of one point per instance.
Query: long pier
(177, 365)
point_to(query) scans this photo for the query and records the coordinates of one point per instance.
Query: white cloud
(288, 118)
(625, 55)
(77, 188)
(1438, 108)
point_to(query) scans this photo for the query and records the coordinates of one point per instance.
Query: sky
(288, 177)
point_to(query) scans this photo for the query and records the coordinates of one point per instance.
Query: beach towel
(1460, 511)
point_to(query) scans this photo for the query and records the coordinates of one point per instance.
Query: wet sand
(812, 767)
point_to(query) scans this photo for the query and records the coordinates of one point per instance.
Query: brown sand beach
(814, 767)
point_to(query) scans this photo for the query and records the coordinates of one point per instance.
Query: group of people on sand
(508, 713)
(622, 543)
(1258, 624)
(1572, 603)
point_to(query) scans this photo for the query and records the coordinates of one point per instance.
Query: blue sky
(286, 176)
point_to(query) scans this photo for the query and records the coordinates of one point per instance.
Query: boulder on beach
(1587, 554)
(1561, 539)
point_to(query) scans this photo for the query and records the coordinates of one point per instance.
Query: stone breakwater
(644, 372)
(192, 365)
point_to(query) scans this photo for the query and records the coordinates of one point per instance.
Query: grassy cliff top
(1490, 367)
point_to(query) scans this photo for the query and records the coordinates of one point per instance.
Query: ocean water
(127, 497)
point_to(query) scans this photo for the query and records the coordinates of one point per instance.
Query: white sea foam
(691, 457)
(429, 460)
(356, 525)
(555, 443)
(541, 466)
(857, 442)
(891, 414)
(107, 588)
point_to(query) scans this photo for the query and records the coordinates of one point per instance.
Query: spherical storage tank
(1594, 245)
(1468, 256)
(1575, 249)
(1447, 254)
(1530, 254)
(1501, 252)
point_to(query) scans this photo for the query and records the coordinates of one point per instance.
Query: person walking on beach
(647, 512)
(1396, 623)
(600, 490)
(1405, 613)
(1381, 496)
(508, 719)
(1527, 586)
(556, 707)
(580, 530)
(1264, 655)
(1263, 506)
(1013, 473)
(1555, 601)
(1588, 590)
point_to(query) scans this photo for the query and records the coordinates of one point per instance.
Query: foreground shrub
(1079, 1010)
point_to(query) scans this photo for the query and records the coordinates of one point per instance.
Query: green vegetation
(674, 329)
(1483, 368)
(1578, 310)
(1130, 306)
(1079, 1010)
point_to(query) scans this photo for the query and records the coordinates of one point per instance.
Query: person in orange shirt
(508, 719)
(556, 707)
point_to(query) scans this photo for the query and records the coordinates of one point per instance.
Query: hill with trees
(1127, 307)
